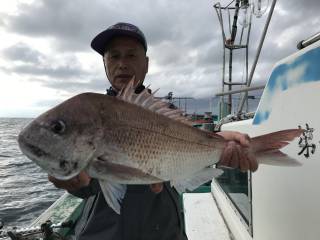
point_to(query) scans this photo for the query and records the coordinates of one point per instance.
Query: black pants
(144, 215)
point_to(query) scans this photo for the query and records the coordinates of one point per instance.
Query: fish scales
(160, 146)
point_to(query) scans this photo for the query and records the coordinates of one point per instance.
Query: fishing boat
(276, 202)
(280, 200)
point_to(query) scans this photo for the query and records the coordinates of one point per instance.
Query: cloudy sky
(46, 55)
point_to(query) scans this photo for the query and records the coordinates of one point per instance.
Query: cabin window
(236, 185)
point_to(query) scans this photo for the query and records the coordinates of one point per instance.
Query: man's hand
(236, 154)
(73, 184)
(156, 187)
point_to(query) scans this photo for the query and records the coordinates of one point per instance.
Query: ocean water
(25, 191)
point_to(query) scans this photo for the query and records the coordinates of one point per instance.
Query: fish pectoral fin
(196, 180)
(120, 171)
(113, 193)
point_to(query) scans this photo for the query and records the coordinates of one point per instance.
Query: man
(147, 212)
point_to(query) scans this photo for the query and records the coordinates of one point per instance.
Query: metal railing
(304, 43)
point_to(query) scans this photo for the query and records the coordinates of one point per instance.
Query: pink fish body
(130, 139)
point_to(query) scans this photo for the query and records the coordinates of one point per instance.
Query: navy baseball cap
(100, 42)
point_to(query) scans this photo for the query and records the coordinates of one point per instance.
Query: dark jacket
(144, 214)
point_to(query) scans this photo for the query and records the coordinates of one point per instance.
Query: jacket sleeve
(92, 189)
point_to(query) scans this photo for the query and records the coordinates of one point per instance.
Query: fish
(130, 139)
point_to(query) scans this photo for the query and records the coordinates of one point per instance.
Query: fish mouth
(36, 151)
(61, 172)
(28, 148)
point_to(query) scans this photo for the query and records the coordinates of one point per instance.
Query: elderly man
(147, 212)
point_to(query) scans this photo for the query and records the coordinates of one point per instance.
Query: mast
(242, 15)
(230, 45)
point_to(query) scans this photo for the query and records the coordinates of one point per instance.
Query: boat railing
(45, 231)
(304, 43)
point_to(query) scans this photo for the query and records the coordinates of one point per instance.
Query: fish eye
(58, 126)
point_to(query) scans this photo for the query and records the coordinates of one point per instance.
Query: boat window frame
(247, 222)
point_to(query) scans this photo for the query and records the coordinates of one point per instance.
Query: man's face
(124, 58)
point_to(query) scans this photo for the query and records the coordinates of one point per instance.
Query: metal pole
(234, 24)
(223, 79)
(247, 51)
(244, 97)
(308, 41)
(230, 81)
(232, 39)
(219, 14)
(247, 89)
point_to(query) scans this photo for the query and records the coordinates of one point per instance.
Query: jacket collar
(112, 92)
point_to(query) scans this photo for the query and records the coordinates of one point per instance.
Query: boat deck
(202, 218)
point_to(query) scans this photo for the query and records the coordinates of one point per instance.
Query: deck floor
(202, 218)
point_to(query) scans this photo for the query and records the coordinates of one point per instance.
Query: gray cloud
(55, 72)
(93, 85)
(26, 60)
(208, 56)
(22, 52)
(71, 28)
(191, 24)
(184, 40)
(48, 103)
(73, 86)
(62, 72)
(66, 24)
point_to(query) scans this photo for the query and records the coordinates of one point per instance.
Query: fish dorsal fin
(147, 100)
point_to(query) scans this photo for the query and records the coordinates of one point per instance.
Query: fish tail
(274, 141)
(267, 147)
